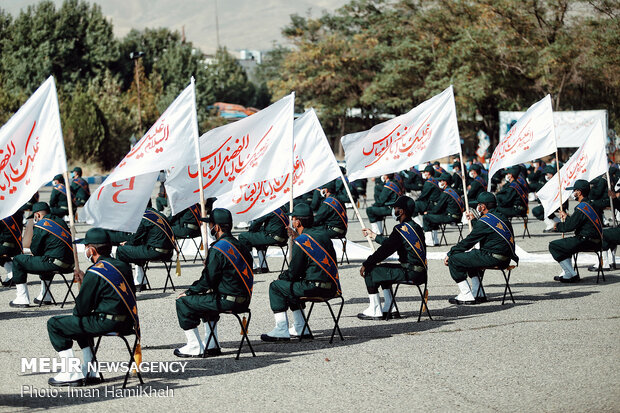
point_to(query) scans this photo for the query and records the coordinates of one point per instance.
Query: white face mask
(396, 217)
(443, 184)
(384, 179)
(471, 175)
(575, 197)
(425, 175)
(548, 177)
(324, 193)
(508, 178)
(88, 257)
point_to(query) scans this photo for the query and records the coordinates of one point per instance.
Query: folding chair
(244, 332)
(284, 249)
(168, 266)
(181, 242)
(599, 270)
(423, 297)
(525, 228)
(343, 240)
(48, 286)
(130, 350)
(384, 230)
(506, 273)
(314, 300)
(442, 228)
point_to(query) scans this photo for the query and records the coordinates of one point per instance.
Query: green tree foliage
(83, 127)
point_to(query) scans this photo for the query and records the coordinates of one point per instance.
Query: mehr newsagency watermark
(105, 392)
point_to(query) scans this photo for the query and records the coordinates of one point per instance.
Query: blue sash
(14, 229)
(592, 216)
(399, 181)
(342, 213)
(413, 239)
(282, 215)
(522, 194)
(523, 183)
(502, 229)
(434, 182)
(244, 271)
(56, 230)
(415, 171)
(195, 210)
(392, 186)
(481, 180)
(83, 184)
(160, 222)
(318, 254)
(456, 197)
(62, 189)
(439, 169)
(114, 277)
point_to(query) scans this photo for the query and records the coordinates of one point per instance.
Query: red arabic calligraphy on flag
(427, 132)
(32, 131)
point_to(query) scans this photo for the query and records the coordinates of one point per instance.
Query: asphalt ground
(555, 349)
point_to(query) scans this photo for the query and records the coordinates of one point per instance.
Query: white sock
(262, 259)
(374, 308)
(567, 266)
(298, 324)
(194, 344)
(22, 296)
(138, 275)
(68, 376)
(387, 300)
(87, 357)
(465, 294)
(380, 227)
(549, 223)
(281, 328)
(375, 228)
(475, 288)
(213, 342)
(435, 235)
(8, 267)
(428, 239)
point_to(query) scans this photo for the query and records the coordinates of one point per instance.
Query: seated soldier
(225, 285)
(429, 196)
(49, 240)
(270, 229)
(497, 247)
(457, 178)
(332, 215)
(438, 169)
(449, 208)
(10, 243)
(312, 272)
(106, 303)
(381, 208)
(536, 178)
(413, 180)
(476, 185)
(186, 224)
(512, 199)
(611, 238)
(58, 198)
(340, 192)
(79, 187)
(153, 240)
(588, 229)
(360, 186)
(407, 241)
(161, 202)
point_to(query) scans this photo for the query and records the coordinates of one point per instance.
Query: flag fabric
(532, 137)
(483, 145)
(119, 202)
(314, 165)
(249, 150)
(588, 162)
(427, 132)
(32, 150)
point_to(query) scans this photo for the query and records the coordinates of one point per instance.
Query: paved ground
(556, 349)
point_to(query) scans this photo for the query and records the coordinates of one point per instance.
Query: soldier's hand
(291, 233)
(368, 233)
(470, 215)
(445, 260)
(362, 271)
(563, 215)
(123, 243)
(78, 276)
(181, 295)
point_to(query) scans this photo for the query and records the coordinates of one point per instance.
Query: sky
(243, 24)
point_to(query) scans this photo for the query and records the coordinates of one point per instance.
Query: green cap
(405, 203)
(514, 171)
(38, 207)
(485, 198)
(77, 169)
(456, 164)
(94, 236)
(301, 210)
(579, 185)
(430, 169)
(330, 186)
(475, 167)
(219, 216)
(59, 178)
(445, 177)
(550, 170)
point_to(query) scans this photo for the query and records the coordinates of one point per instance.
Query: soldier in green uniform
(225, 285)
(381, 208)
(153, 240)
(586, 224)
(449, 208)
(457, 178)
(99, 308)
(476, 185)
(611, 237)
(270, 229)
(413, 180)
(332, 215)
(429, 196)
(79, 187)
(161, 202)
(407, 241)
(497, 247)
(312, 272)
(50, 241)
(186, 224)
(10, 243)
(512, 199)
(58, 198)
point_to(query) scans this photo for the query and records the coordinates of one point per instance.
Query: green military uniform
(446, 210)
(457, 178)
(413, 180)
(58, 200)
(476, 186)
(186, 224)
(360, 186)
(118, 237)
(381, 207)
(341, 192)
(9, 246)
(598, 194)
(263, 232)
(220, 288)
(328, 218)
(50, 253)
(509, 203)
(147, 244)
(539, 211)
(586, 238)
(79, 187)
(430, 194)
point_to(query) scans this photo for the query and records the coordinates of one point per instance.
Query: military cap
(550, 170)
(445, 177)
(59, 178)
(475, 167)
(456, 164)
(301, 210)
(405, 203)
(430, 169)
(38, 207)
(579, 185)
(77, 169)
(485, 198)
(514, 171)
(330, 186)
(219, 216)
(94, 236)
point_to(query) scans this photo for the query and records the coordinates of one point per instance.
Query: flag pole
(291, 196)
(357, 212)
(557, 167)
(203, 211)
(611, 201)
(71, 222)
(463, 172)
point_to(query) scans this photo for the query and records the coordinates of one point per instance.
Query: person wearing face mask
(497, 247)
(512, 199)
(457, 179)
(381, 208)
(449, 208)
(49, 240)
(270, 229)
(586, 223)
(312, 272)
(536, 178)
(58, 198)
(105, 304)
(332, 215)
(153, 240)
(611, 236)
(407, 241)
(539, 211)
(79, 187)
(413, 179)
(429, 196)
(225, 285)
(477, 185)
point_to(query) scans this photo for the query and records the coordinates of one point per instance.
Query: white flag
(169, 142)
(427, 132)
(314, 166)
(31, 149)
(587, 163)
(532, 137)
(249, 150)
